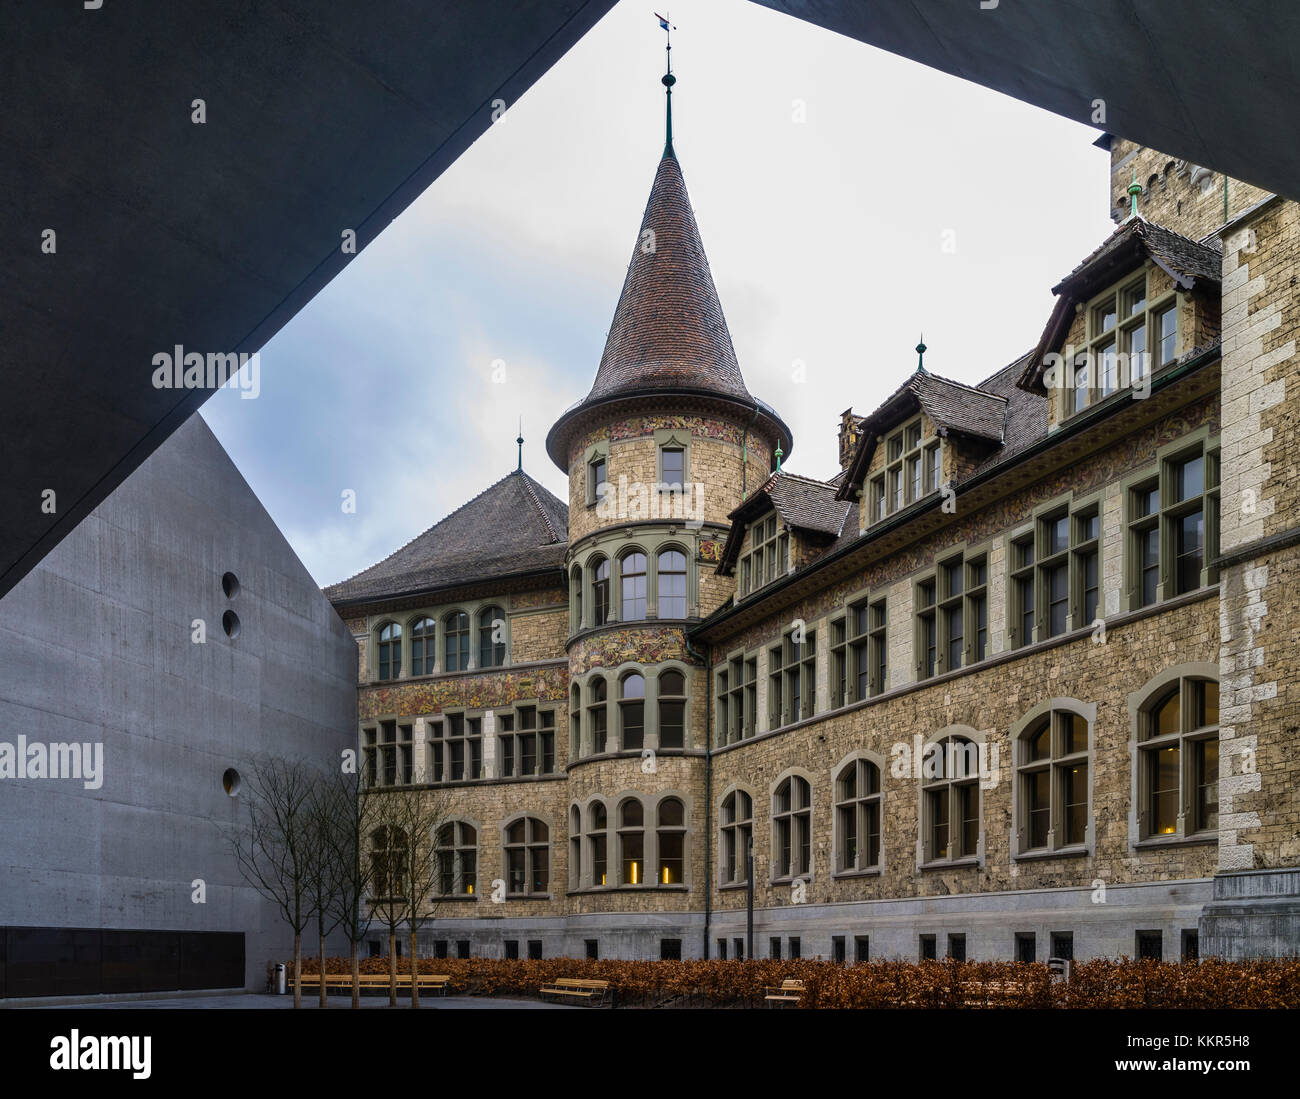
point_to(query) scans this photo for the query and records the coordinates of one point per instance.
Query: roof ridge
(1006, 369)
(530, 486)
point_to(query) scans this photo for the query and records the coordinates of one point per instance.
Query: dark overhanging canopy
(323, 115)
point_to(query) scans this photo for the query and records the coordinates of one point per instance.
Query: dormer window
(768, 556)
(912, 470)
(1128, 337)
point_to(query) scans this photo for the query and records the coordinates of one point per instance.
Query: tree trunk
(356, 977)
(392, 967)
(297, 970)
(320, 959)
(415, 971)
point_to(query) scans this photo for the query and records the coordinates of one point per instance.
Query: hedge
(1267, 983)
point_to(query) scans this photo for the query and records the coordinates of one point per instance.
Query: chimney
(850, 431)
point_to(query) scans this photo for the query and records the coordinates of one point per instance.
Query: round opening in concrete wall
(230, 623)
(230, 781)
(230, 585)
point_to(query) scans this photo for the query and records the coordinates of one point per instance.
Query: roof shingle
(515, 526)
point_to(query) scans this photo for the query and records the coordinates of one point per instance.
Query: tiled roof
(515, 526)
(668, 334)
(806, 504)
(668, 330)
(803, 503)
(1185, 260)
(952, 407)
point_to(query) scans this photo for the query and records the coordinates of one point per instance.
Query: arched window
(387, 862)
(456, 646)
(631, 569)
(600, 592)
(575, 722)
(671, 835)
(597, 828)
(1178, 760)
(672, 710)
(631, 842)
(631, 711)
(857, 816)
(457, 854)
(575, 598)
(792, 829)
(424, 648)
(737, 831)
(528, 851)
(950, 799)
(390, 651)
(597, 713)
(1051, 757)
(670, 571)
(491, 637)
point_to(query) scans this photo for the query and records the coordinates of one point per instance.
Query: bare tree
(403, 824)
(327, 814)
(276, 850)
(350, 798)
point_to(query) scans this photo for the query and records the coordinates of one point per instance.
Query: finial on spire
(779, 453)
(668, 80)
(920, 355)
(520, 441)
(1134, 189)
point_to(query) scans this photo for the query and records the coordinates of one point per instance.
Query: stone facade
(1106, 869)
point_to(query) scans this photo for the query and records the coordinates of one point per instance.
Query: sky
(849, 200)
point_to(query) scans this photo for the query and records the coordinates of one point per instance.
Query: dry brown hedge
(1271, 983)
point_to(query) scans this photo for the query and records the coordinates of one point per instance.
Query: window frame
(1054, 764)
(926, 857)
(1144, 743)
(860, 804)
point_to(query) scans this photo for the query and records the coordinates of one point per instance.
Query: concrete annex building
(1017, 680)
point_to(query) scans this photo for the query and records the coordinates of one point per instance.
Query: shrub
(1103, 983)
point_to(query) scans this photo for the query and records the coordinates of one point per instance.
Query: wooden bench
(593, 993)
(789, 992)
(432, 982)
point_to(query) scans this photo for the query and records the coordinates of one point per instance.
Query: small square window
(957, 947)
(774, 948)
(861, 948)
(738, 948)
(722, 950)
(1150, 944)
(534, 950)
(462, 948)
(1026, 946)
(795, 948)
(1191, 945)
(512, 949)
(837, 949)
(1063, 945)
(593, 949)
(929, 948)
(670, 950)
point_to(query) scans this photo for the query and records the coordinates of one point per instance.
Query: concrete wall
(96, 647)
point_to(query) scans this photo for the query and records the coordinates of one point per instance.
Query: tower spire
(520, 441)
(668, 81)
(920, 355)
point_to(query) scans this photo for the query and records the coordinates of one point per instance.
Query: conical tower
(663, 447)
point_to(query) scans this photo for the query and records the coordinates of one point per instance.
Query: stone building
(1016, 681)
